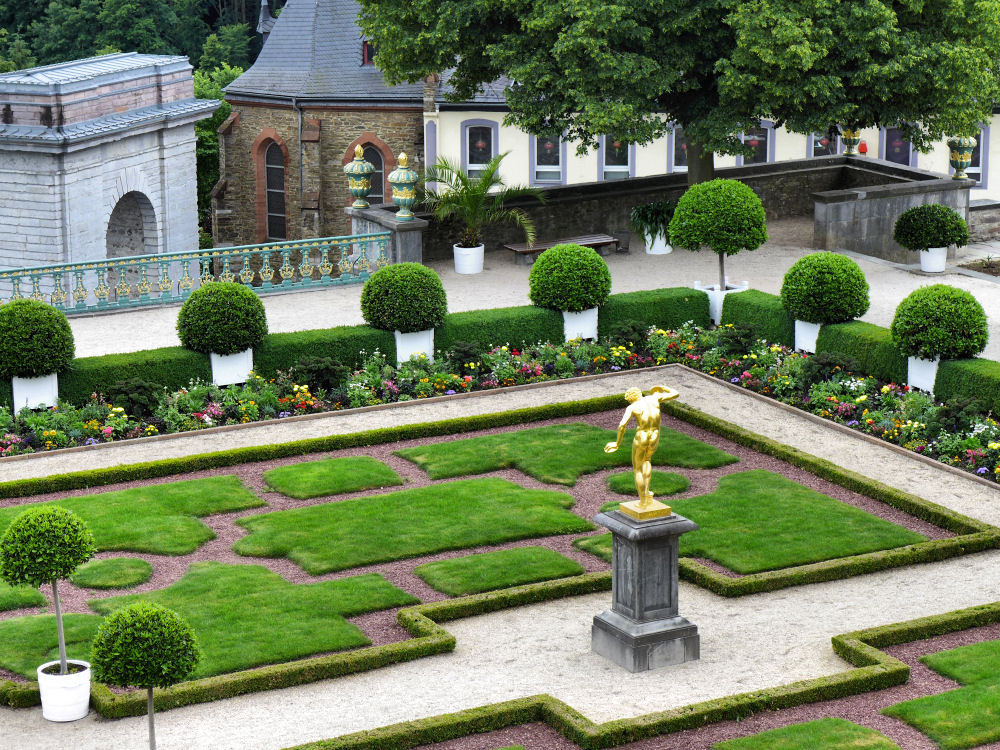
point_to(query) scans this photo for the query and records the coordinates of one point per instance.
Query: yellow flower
(993, 445)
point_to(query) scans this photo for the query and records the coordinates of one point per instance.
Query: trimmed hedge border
(972, 378)
(869, 345)
(763, 311)
(515, 326)
(665, 308)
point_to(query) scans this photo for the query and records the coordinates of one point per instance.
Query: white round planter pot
(37, 392)
(921, 373)
(468, 260)
(805, 336)
(657, 245)
(418, 342)
(933, 259)
(580, 325)
(65, 697)
(228, 369)
(715, 297)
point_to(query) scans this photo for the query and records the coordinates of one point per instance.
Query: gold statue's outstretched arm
(612, 447)
(664, 393)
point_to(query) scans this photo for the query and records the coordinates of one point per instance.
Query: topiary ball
(569, 277)
(43, 545)
(724, 215)
(35, 340)
(825, 288)
(940, 321)
(404, 297)
(222, 318)
(930, 225)
(144, 645)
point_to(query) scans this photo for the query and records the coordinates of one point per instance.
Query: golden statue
(646, 410)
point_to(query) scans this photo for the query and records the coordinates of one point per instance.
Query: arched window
(274, 169)
(374, 157)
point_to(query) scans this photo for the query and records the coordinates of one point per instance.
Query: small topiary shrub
(940, 321)
(222, 318)
(320, 372)
(35, 340)
(825, 288)
(139, 398)
(571, 278)
(930, 225)
(404, 297)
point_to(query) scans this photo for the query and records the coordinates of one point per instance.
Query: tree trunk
(722, 272)
(701, 163)
(149, 712)
(63, 669)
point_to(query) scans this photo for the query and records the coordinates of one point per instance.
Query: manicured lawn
(558, 454)
(243, 615)
(15, 597)
(113, 573)
(331, 476)
(825, 734)
(660, 483)
(496, 570)
(408, 523)
(160, 519)
(966, 717)
(758, 520)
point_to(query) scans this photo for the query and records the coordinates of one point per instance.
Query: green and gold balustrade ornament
(404, 188)
(961, 155)
(850, 139)
(359, 177)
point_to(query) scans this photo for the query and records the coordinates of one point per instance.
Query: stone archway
(132, 227)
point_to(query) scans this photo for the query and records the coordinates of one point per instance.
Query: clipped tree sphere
(222, 318)
(35, 339)
(43, 545)
(724, 215)
(571, 278)
(404, 297)
(940, 321)
(930, 225)
(825, 288)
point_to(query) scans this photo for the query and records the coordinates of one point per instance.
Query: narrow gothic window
(274, 167)
(374, 157)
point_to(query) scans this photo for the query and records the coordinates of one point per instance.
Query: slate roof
(88, 71)
(492, 94)
(266, 21)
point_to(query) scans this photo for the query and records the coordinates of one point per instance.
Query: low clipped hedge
(516, 326)
(404, 297)
(568, 277)
(343, 344)
(969, 378)
(222, 318)
(869, 345)
(665, 308)
(940, 321)
(825, 288)
(763, 312)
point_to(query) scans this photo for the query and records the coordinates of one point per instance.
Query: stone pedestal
(643, 630)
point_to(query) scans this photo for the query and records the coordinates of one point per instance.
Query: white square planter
(715, 297)
(231, 368)
(921, 373)
(418, 342)
(37, 392)
(580, 325)
(805, 336)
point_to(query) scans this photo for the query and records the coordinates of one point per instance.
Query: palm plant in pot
(652, 221)
(931, 229)
(476, 202)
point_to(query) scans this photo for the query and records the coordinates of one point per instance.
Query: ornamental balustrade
(116, 283)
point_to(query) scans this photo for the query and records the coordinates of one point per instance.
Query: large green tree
(630, 68)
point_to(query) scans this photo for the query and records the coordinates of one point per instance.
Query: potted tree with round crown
(725, 216)
(41, 546)
(823, 288)
(36, 344)
(408, 299)
(930, 229)
(575, 280)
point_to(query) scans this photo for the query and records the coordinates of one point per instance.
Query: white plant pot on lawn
(35, 392)
(805, 336)
(418, 342)
(657, 245)
(231, 368)
(921, 373)
(65, 697)
(715, 297)
(468, 260)
(580, 325)
(933, 259)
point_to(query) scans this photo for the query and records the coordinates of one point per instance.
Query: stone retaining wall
(984, 220)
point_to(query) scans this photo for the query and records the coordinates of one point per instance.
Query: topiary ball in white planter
(940, 321)
(36, 344)
(823, 288)
(405, 298)
(570, 278)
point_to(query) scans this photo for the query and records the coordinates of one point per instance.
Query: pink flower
(107, 431)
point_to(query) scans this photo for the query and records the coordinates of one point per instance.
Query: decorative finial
(403, 158)
(359, 152)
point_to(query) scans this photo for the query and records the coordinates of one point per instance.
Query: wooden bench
(525, 254)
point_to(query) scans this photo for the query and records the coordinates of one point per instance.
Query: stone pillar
(643, 629)
(406, 244)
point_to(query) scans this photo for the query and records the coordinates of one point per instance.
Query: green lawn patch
(558, 454)
(828, 734)
(660, 483)
(15, 597)
(331, 476)
(113, 573)
(28, 642)
(758, 520)
(966, 717)
(496, 570)
(408, 523)
(160, 519)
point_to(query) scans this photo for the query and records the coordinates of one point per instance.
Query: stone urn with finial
(359, 177)
(404, 188)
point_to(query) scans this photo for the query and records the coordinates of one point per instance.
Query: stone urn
(359, 177)
(404, 188)
(960, 156)
(850, 139)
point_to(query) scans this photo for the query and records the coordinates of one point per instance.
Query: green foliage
(112, 573)
(477, 201)
(825, 288)
(516, 326)
(660, 483)
(320, 372)
(342, 344)
(228, 48)
(64, 30)
(42, 545)
(144, 645)
(404, 297)
(828, 733)
(331, 476)
(868, 345)
(940, 321)
(408, 523)
(930, 225)
(653, 219)
(763, 312)
(970, 378)
(724, 215)
(136, 25)
(208, 84)
(571, 278)
(489, 571)
(664, 308)
(138, 397)
(15, 53)
(35, 339)
(224, 318)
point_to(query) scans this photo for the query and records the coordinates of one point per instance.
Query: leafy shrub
(463, 356)
(35, 339)
(404, 297)
(320, 372)
(138, 397)
(869, 345)
(930, 225)
(517, 326)
(970, 377)
(653, 219)
(569, 277)
(43, 545)
(825, 366)
(663, 308)
(223, 318)
(632, 331)
(825, 288)
(957, 414)
(940, 321)
(737, 339)
(763, 312)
